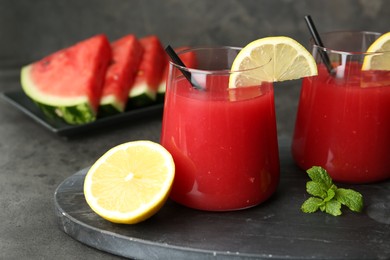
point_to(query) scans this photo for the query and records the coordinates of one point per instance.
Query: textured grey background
(31, 29)
(33, 162)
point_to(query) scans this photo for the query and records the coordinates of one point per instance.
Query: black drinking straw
(175, 58)
(318, 42)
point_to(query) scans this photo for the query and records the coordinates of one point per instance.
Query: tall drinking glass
(343, 118)
(223, 141)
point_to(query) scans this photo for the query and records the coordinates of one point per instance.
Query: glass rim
(344, 52)
(209, 71)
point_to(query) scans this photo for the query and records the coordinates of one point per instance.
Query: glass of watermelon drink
(343, 118)
(223, 141)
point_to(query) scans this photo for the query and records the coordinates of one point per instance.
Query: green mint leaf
(316, 189)
(350, 198)
(328, 198)
(311, 205)
(330, 195)
(320, 175)
(333, 207)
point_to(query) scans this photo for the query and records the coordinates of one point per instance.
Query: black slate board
(276, 229)
(19, 100)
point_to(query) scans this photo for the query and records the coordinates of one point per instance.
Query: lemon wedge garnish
(274, 59)
(381, 59)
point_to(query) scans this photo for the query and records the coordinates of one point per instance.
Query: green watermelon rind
(161, 92)
(79, 114)
(141, 95)
(110, 105)
(74, 110)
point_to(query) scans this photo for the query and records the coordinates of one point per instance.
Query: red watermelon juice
(344, 125)
(223, 141)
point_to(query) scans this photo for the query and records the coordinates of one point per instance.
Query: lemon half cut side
(130, 182)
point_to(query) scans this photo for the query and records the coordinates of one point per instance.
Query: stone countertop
(33, 163)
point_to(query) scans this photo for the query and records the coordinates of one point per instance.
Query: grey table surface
(34, 162)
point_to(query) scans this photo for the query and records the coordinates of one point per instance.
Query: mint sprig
(327, 197)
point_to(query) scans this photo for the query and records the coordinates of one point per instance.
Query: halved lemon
(130, 182)
(279, 58)
(380, 60)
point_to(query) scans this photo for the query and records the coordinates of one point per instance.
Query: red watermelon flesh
(126, 57)
(189, 60)
(70, 75)
(152, 65)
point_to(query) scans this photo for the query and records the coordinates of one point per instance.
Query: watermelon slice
(163, 83)
(188, 58)
(149, 74)
(126, 57)
(68, 83)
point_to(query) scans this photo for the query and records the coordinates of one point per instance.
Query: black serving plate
(276, 229)
(18, 99)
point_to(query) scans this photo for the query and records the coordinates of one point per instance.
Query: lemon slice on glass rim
(380, 60)
(130, 182)
(279, 58)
